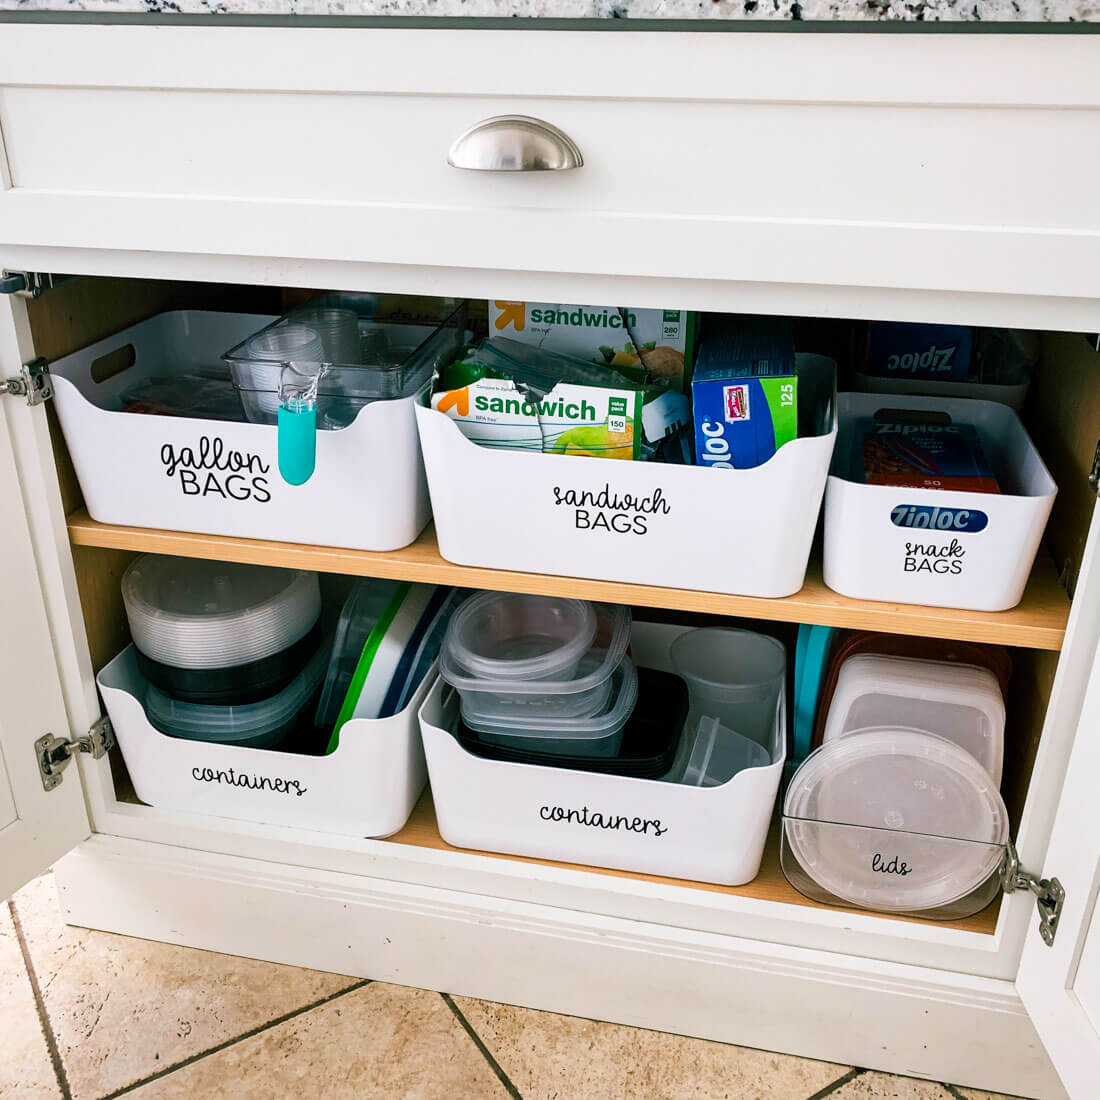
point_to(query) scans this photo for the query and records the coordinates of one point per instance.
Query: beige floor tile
(977, 1094)
(123, 1008)
(551, 1057)
(884, 1086)
(25, 1068)
(382, 1041)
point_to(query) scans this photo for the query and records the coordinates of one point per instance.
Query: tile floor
(88, 1015)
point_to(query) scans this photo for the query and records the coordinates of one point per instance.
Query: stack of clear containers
(542, 673)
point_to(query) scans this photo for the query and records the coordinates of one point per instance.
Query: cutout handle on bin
(114, 362)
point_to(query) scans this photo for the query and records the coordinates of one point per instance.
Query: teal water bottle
(297, 439)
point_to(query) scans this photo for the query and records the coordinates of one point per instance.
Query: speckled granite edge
(863, 11)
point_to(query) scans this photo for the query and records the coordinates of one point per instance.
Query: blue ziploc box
(744, 393)
(940, 353)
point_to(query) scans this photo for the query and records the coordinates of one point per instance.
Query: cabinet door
(36, 826)
(1060, 983)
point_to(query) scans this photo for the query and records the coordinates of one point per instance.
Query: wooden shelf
(1039, 622)
(422, 831)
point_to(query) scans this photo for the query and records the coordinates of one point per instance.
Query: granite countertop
(1004, 11)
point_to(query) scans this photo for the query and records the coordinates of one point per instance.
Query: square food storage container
(366, 787)
(707, 834)
(941, 547)
(745, 532)
(221, 476)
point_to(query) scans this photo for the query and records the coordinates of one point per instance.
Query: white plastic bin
(746, 532)
(221, 477)
(706, 834)
(367, 787)
(938, 546)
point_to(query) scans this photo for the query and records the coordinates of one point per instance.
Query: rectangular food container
(746, 532)
(708, 834)
(366, 787)
(939, 547)
(221, 476)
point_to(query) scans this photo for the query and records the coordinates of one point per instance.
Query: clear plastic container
(583, 695)
(197, 614)
(735, 676)
(407, 357)
(895, 820)
(596, 735)
(259, 725)
(717, 754)
(510, 636)
(959, 702)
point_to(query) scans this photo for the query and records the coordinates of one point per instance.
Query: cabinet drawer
(955, 163)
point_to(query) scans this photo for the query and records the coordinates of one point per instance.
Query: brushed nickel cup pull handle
(514, 143)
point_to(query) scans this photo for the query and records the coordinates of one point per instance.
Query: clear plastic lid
(960, 702)
(511, 636)
(611, 636)
(624, 695)
(874, 819)
(191, 613)
(246, 723)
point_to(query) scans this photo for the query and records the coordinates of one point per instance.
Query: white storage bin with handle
(704, 833)
(941, 547)
(220, 476)
(746, 532)
(366, 787)
(961, 703)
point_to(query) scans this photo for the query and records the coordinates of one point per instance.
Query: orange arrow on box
(511, 313)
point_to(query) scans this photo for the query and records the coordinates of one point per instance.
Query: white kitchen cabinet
(912, 177)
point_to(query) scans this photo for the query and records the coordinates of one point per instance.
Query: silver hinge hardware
(30, 284)
(1094, 473)
(1049, 893)
(34, 383)
(55, 753)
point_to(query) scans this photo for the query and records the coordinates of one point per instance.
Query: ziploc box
(896, 349)
(924, 456)
(745, 393)
(659, 343)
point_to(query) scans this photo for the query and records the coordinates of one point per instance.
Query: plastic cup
(338, 329)
(735, 676)
(260, 380)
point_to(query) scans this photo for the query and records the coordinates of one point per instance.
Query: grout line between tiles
(40, 1006)
(183, 1063)
(839, 1083)
(496, 1067)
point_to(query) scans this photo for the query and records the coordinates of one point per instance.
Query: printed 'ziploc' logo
(925, 517)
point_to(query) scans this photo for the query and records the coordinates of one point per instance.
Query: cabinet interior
(1062, 415)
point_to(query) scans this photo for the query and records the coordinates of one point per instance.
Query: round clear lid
(201, 722)
(190, 613)
(895, 819)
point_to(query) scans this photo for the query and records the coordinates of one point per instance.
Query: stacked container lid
(232, 652)
(542, 673)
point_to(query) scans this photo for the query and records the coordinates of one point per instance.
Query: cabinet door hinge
(55, 753)
(30, 284)
(1094, 473)
(1049, 893)
(34, 383)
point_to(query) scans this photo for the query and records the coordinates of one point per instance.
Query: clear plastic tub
(580, 696)
(717, 754)
(197, 614)
(735, 676)
(511, 636)
(596, 735)
(255, 725)
(404, 359)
